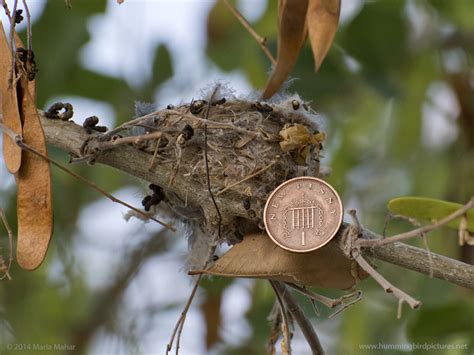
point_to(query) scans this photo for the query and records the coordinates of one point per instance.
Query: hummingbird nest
(252, 147)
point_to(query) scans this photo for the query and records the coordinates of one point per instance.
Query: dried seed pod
(11, 114)
(34, 203)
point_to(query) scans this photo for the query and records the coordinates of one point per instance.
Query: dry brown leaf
(322, 19)
(34, 202)
(291, 37)
(258, 257)
(9, 107)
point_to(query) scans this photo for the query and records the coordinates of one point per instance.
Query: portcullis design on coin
(303, 214)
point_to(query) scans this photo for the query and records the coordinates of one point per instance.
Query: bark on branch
(70, 138)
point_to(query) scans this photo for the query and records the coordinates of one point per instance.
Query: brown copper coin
(303, 214)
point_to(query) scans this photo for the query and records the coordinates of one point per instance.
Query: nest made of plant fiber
(252, 146)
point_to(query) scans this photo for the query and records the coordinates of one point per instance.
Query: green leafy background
(376, 114)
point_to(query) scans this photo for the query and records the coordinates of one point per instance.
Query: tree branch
(70, 137)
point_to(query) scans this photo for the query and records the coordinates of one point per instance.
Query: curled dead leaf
(34, 201)
(322, 19)
(298, 136)
(258, 257)
(292, 32)
(9, 107)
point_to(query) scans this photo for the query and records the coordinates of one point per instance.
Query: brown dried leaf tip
(297, 19)
(54, 112)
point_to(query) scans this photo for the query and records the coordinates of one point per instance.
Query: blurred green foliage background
(396, 94)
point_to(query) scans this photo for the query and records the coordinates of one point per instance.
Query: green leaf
(429, 209)
(162, 66)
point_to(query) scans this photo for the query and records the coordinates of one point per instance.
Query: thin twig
(10, 242)
(12, 41)
(7, 11)
(303, 322)
(206, 161)
(284, 315)
(330, 302)
(28, 28)
(247, 177)
(94, 186)
(182, 318)
(214, 124)
(260, 40)
(275, 321)
(418, 231)
(386, 285)
(155, 154)
(19, 141)
(113, 143)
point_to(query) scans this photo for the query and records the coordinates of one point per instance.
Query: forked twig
(355, 253)
(260, 40)
(329, 302)
(178, 328)
(300, 318)
(386, 285)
